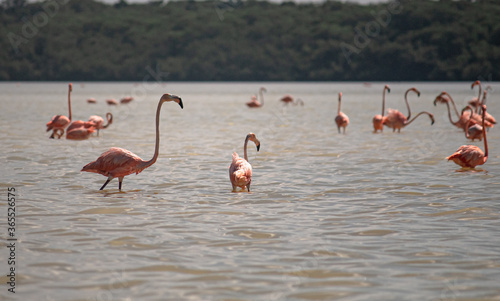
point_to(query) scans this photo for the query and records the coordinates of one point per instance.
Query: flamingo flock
(118, 162)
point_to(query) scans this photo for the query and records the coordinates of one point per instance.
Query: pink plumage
(341, 119)
(60, 122)
(240, 170)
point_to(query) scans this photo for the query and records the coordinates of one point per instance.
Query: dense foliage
(249, 40)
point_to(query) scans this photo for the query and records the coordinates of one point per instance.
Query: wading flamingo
(98, 122)
(473, 131)
(341, 119)
(254, 103)
(126, 99)
(80, 133)
(78, 124)
(378, 120)
(61, 121)
(240, 170)
(470, 156)
(112, 102)
(118, 162)
(289, 99)
(396, 120)
(489, 118)
(446, 98)
(92, 100)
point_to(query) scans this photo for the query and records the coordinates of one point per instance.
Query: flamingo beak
(180, 103)
(178, 100)
(258, 147)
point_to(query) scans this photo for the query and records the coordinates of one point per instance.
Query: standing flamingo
(341, 119)
(396, 120)
(98, 122)
(61, 121)
(489, 118)
(474, 131)
(287, 99)
(476, 102)
(254, 103)
(378, 120)
(240, 171)
(126, 99)
(446, 98)
(91, 100)
(470, 156)
(118, 162)
(112, 102)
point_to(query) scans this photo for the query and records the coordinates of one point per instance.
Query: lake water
(359, 216)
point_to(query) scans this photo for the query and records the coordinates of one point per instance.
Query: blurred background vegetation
(234, 40)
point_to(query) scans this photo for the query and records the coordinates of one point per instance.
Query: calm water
(360, 216)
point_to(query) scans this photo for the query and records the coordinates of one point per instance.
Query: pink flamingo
(396, 120)
(341, 119)
(470, 156)
(446, 98)
(79, 123)
(126, 99)
(378, 120)
(289, 99)
(118, 162)
(254, 103)
(473, 131)
(91, 100)
(98, 122)
(489, 118)
(476, 101)
(240, 171)
(112, 102)
(80, 133)
(61, 121)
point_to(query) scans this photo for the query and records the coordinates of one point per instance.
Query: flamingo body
(468, 156)
(126, 99)
(341, 119)
(91, 100)
(112, 102)
(254, 102)
(80, 133)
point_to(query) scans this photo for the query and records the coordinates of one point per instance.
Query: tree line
(235, 40)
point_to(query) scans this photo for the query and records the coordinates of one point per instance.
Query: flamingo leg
(52, 136)
(120, 180)
(248, 187)
(106, 183)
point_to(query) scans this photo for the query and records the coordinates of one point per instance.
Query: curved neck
(468, 121)
(109, 117)
(407, 104)
(449, 114)
(479, 102)
(424, 112)
(69, 103)
(453, 103)
(245, 148)
(157, 143)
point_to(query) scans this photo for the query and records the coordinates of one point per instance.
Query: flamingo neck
(484, 137)
(245, 148)
(109, 117)
(383, 102)
(147, 164)
(430, 115)
(479, 102)
(69, 103)
(453, 103)
(449, 114)
(468, 122)
(407, 105)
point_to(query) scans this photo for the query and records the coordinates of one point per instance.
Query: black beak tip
(180, 103)
(258, 147)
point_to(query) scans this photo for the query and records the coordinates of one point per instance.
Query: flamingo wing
(240, 172)
(468, 156)
(115, 162)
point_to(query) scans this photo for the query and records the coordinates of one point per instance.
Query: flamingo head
(387, 88)
(416, 91)
(432, 118)
(109, 116)
(252, 137)
(340, 96)
(170, 97)
(475, 83)
(441, 98)
(70, 86)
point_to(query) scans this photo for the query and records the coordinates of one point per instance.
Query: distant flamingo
(396, 120)
(98, 122)
(341, 119)
(489, 118)
(378, 120)
(118, 162)
(61, 121)
(126, 99)
(476, 101)
(112, 102)
(289, 99)
(92, 100)
(80, 133)
(240, 171)
(469, 156)
(254, 103)
(473, 131)
(78, 124)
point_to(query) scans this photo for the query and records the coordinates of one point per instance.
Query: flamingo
(289, 99)
(446, 98)
(475, 131)
(240, 170)
(79, 123)
(98, 122)
(61, 121)
(378, 120)
(489, 118)
(476, 101)
(91, 100)
(396, 120)
(341, 119)
(254, 103)
(126, 99)
(118, 162)
(112, 102)
(470, 156)
(80, 133)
